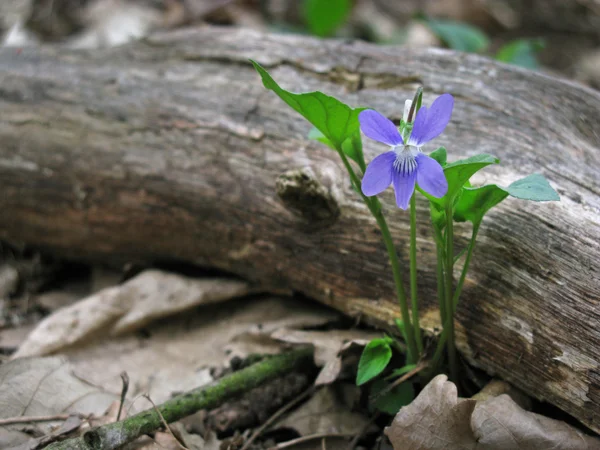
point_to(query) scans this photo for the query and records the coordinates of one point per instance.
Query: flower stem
(413, 273)
(445, 319)
(441, 344)
(439, 242)
(465, 268)
(448, 294)
(440, 286)
(400, 293)
(375, 207)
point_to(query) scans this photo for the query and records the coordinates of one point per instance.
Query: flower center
(405, 162)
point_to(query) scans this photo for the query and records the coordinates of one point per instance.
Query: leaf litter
(163, 350)
(171, 346)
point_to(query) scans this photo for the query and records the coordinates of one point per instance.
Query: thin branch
(32, 419)
(124, 389)
(165, 424)
(422, 365)
(117, 434)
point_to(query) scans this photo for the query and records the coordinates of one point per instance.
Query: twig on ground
(124, 389)
(310, 437)
(117, 434)
(422, 365)
(277, 415)
(165, 424)
(24, 419)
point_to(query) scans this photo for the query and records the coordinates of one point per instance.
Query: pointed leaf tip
(533, 187)
(335, 120)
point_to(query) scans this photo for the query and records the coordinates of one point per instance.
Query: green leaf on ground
(323, 17)
(374, 359)
(459, 36)
(521, 52)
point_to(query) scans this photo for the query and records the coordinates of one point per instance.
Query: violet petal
(430, 123)
(379, 128)
(430, 176)
(419, 127)
(404, 185)
(378, 175)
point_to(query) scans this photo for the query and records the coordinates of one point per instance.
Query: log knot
(307, 196)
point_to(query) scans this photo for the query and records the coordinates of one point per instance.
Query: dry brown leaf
(14, 438)
(177, 354)
(42, 387)
(150, 295)
(47, 386)
(438, 419)
(499, 423)
(325, 412)
(174, 355)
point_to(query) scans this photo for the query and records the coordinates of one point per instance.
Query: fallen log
(172, 149)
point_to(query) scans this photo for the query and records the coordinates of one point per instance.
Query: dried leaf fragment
(149, 296)
(436, 419)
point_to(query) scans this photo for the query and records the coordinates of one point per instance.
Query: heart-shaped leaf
(335, 120)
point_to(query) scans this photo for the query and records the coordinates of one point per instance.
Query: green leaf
(374, 359)
(457, 175)
(459, 36)
(315, 135)
(533, 187)
(391, 401)
(335, 120)
(440, 155)
(323, 17)
(474, 203)
(521, 52)
(459, 172)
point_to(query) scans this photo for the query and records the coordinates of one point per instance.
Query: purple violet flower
(405, 164)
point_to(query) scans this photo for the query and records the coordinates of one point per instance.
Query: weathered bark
(172, 148)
